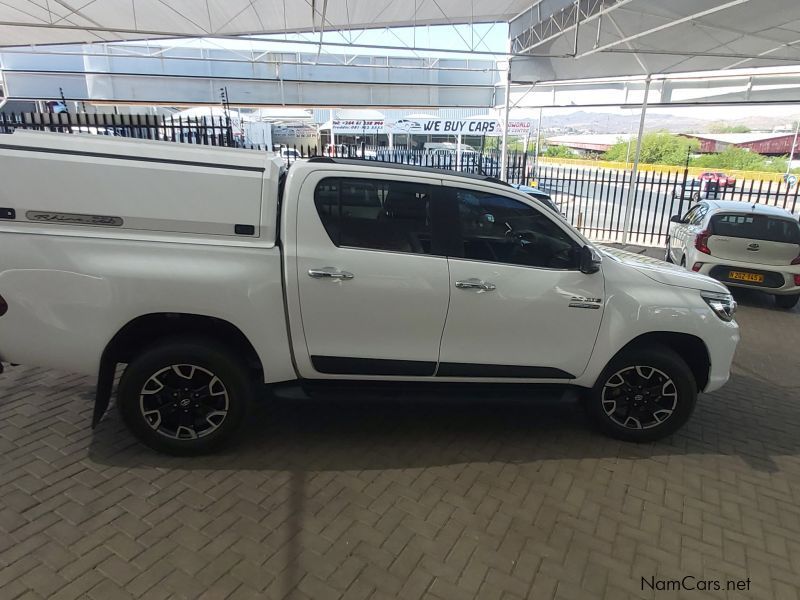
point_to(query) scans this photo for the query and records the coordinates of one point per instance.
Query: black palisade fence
(593, 199)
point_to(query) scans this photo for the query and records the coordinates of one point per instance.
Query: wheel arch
(145, 330)
(689, 347)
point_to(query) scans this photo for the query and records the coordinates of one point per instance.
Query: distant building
(588, 143)
(771, 144)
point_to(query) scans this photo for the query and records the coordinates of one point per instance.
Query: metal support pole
(794, 143)
(458, 153)
(626, 227)
(504, 151)
(536, 148)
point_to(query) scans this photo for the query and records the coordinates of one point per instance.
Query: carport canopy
(25, 22)
(568, 39)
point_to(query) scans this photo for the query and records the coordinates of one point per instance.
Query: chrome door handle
(329, 273)
(475, 284)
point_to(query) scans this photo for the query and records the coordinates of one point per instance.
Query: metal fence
(598, 201)
(209, 131)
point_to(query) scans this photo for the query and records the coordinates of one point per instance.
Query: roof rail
(404, 167)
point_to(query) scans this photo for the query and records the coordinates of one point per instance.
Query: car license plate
(743, 276)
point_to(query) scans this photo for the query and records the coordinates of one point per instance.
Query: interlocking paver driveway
(409, 498)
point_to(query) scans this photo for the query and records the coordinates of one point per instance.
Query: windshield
(756, 227)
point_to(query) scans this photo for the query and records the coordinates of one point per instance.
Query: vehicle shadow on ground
(758, 299)
(751, 418)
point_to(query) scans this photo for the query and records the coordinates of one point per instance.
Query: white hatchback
(741, 245)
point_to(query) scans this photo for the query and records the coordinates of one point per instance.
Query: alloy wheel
(184, 402)
(639, 397)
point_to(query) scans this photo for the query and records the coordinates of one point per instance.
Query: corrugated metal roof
(738, 138)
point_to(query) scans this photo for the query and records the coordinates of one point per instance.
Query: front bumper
(721, 349)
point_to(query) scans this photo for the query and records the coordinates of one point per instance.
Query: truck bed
(85, 182)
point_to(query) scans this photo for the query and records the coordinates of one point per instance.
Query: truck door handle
(329, 273)
(475, 284)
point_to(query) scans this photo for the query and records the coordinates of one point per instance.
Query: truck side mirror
(590, 260)
(675, 218)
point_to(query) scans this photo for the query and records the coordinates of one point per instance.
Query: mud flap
(105, 383)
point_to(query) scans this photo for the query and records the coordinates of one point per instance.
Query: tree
(657, 148)
(740, 159)
(559, 152)
(722, 127)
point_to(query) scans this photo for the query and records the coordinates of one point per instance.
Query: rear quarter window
(756, 227)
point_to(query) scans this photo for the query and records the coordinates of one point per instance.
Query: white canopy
(24, 22)
(610, 38)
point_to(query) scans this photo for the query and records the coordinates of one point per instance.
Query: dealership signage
(294, 131)
(458, 127)
(355, 126)
(430, 126)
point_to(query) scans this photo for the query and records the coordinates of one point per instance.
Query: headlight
(723, 305)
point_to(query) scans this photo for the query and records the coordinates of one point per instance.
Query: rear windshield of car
(756, 227)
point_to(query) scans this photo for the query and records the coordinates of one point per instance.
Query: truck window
(500, 229)
(375, 214)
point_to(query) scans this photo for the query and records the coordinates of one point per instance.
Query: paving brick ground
(409, 498)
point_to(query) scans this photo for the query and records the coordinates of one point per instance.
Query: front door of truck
(372, 282)
(519, 307)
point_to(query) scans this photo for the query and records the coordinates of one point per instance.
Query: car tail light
(696, 267)
(701, 241)
(3, 306)
(797, 279)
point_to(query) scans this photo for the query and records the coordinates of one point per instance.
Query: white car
(740, 244)
(209, 272)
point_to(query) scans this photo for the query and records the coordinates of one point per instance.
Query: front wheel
(787, 302)
(644, 394)
(184, 396)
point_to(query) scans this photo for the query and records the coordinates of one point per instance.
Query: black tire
(217, 394)
(683, 261)
(787, 302)
(667, 255)
(637, 413)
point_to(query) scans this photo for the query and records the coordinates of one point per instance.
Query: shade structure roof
(24, 22)
(565, 39)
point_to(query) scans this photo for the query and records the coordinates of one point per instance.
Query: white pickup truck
(209, 272)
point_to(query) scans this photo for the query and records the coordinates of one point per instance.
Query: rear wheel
(184, 396)
(667, 254)
(644, 394)
(787, 301)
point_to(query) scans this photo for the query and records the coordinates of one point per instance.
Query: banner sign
(293, 131)
(481, 127)
(519, 128)
(356, 126)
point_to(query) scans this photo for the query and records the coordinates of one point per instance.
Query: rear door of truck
(372, 277)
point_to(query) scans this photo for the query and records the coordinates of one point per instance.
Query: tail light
(797, 279)
(696, 267)
(701, 241)
(3, 306)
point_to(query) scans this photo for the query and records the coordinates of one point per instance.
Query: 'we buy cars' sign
(457, 127)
